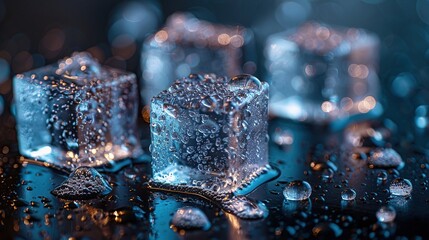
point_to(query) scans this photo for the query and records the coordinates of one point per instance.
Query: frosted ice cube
(77, 113)
(83, 183)
(189, 45)
(321, 74)
(210, 132)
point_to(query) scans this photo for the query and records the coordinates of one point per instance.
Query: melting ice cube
(83, 183)
(77, 113)
(322, 74)
(210, 133)
(189, 45)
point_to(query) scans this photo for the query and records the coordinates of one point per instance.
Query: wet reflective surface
(130, 211)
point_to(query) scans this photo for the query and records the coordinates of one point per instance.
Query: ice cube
(210, 132)
(322, 74)
(77, 113)
(83, 183)
(189, 45)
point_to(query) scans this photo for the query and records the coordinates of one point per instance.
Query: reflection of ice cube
(210, 132)
(189, 45)
(76, 113)
(321, 74)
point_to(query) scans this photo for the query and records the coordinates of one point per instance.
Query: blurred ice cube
(189, 45)
(321, 74)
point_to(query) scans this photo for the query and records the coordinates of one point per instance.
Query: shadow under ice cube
(77, 113)
(211, 133)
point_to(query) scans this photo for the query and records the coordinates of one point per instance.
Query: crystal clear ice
(210, 132)
(84, 183)
(322, 74)
(77, 113)
(189, 45)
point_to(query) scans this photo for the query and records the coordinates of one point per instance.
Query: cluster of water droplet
(210, 132)
(85, 113)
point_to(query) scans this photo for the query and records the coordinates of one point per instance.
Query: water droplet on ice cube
(244, 81)
(170, 110)
(386, 214)
(190, 218)
(83, 183)
(297, 190)
(401, 187)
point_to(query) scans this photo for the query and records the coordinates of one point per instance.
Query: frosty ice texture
(189, 45)
(83, 183)
(321, 74)
(210, 132)
(77, 113)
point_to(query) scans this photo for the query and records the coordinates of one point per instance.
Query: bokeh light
(135, 19)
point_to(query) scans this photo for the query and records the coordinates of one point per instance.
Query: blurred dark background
(36, 33)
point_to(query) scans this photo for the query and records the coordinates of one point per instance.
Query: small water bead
(386, 214)
(401, 187)
(244, 81)
(382, 176)
(171, 110)
(348, 194)
(327, 174)
(297, 190)
(83, 183)
(190, 218)
(385, 158)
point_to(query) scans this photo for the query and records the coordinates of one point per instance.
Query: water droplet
(401, 187)
(244, 81)
(348, 194)
(208, 127)
(83, 183)
(386, 214)
(171, 110)
(327, 173)
(190, 218)
(210, 103)
(385, 158)
(297, 190)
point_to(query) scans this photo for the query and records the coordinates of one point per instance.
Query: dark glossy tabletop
(30, 211)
